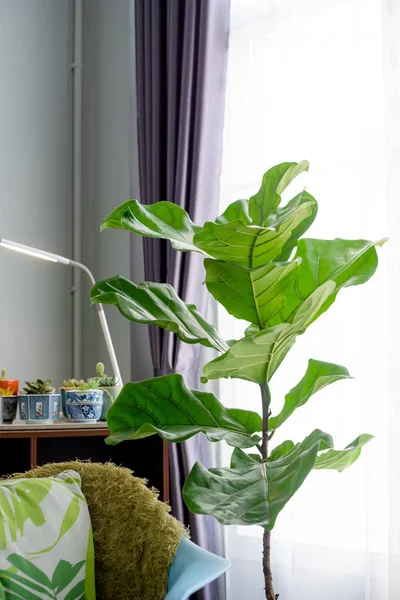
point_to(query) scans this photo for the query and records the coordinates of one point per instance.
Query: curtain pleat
(181, 61)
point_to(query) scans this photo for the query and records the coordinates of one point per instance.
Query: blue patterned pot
(83, 412)
(8, 407)
(84, 396)
(39, 408)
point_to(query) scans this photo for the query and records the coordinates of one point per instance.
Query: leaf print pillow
(46, 543)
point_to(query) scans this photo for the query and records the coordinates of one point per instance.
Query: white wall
(35, 191)
(35, 300)
(109, 164)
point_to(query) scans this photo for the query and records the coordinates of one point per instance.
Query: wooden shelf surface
(56, 426)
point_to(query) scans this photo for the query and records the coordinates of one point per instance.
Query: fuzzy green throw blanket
(135, 537)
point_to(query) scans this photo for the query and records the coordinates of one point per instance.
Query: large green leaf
(163, 220)
(281, 449)
(252, 492)
(256, 357)
(318, 375)
(158, 304)
(237, 211)
(274, 182)
(255, 295)
(341, 459)
(248, 245)
(167, 407)
(346, 262)
(282, 214)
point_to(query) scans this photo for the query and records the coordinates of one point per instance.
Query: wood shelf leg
(33, 451)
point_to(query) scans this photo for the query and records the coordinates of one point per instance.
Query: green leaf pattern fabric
(46, 545)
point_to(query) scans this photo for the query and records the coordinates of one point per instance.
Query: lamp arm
(103, 322)
(56, 258)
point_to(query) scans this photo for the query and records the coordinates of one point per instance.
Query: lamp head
(35, 252)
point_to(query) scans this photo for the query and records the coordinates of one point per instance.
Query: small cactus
(39, 387)
(100, 369)
(3, 374)
(103, 379)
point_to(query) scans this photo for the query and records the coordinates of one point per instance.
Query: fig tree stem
(269, 588)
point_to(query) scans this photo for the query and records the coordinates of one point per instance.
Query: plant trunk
(269, 588)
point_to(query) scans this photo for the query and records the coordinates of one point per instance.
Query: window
(317, 80)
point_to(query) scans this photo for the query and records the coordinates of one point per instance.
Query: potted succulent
(68, 384)
(110, 387)
(85, 402)
(8, 405)
(39, 403)
(11, 384)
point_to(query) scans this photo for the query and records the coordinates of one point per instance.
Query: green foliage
(165, 405)
(163, 220)
(261, 272)
(264, 204)
(103, 379)
(256, 357)
(39, 387)
(108, 381)
(253, 491)
(318, 375)
(73, 383)
(93, 384)
(3, 374)
(345, 262)
(158, 304)
(255, 295)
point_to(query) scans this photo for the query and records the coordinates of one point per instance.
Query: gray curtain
(181, 59)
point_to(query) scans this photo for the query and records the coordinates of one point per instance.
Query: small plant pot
(109, 397)
(84, 405)
(74, 395)
(11, 384)
(8, 409)
(84, 412)
(39, 408)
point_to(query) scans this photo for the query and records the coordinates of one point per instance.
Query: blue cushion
(191, 569)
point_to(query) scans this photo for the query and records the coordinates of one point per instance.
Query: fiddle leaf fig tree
(260, 270)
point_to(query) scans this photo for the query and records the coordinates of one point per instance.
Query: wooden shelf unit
(24, 446)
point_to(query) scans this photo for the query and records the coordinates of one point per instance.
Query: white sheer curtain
(320, 80)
